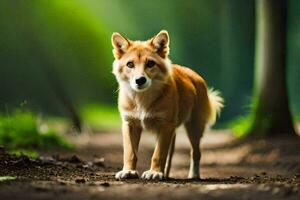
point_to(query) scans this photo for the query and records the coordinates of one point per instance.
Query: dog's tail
(216, 103)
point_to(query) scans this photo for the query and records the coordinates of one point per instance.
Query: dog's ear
(120, 45)
(161, 43)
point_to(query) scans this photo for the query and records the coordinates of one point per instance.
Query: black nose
(140, 81)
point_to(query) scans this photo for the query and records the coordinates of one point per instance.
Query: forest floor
(230, 169)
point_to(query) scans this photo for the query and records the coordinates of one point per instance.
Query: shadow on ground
(230, 169)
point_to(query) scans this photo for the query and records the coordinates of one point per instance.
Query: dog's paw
(127, 174)
(152, 175)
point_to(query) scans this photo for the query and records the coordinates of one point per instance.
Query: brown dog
(159, 96)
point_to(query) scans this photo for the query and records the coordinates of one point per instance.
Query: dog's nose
(140, 81)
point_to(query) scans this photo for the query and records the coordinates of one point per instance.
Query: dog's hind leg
(194, 131)
(170, 156)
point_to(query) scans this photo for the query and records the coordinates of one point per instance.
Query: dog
(159, 96)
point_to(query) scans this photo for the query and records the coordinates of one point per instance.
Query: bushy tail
(216, 103)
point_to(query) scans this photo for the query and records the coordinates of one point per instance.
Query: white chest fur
(146, 119)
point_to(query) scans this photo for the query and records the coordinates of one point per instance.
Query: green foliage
(241, 125)
(7, 178)
(50, 139)
(24, 152)
(71, 39)
(53, 45)
(101, 116)
(20, 130)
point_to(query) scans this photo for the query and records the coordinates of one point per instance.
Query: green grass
(7, 178)
(241, 125)
(297, 118)
(21, 130)
(99, 116)
(24, 152)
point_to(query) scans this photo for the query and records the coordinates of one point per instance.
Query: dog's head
(141, 64)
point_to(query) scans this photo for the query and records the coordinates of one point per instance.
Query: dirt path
(256, 169)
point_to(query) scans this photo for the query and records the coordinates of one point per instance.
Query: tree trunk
(271, 109)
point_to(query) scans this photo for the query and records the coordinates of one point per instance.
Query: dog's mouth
(141, 88)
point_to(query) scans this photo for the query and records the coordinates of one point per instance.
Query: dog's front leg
(131, 131)
(160, 154)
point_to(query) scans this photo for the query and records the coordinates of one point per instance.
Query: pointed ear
(161, 43)
(120, 45)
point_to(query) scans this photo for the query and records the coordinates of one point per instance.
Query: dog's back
(195, 100)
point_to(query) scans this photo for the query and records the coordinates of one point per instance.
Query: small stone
(59, 163)
(46, 159)
(86, 166)
(99, 162)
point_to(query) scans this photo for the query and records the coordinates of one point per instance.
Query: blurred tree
(293, 58)
(54, 55)
(271, 109)
(72, 39)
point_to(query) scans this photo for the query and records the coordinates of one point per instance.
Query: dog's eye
(130, 64)
(150, 64)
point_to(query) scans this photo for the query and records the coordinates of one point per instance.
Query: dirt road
(230, 169)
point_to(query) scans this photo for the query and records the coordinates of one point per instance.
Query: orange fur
(171, 95)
